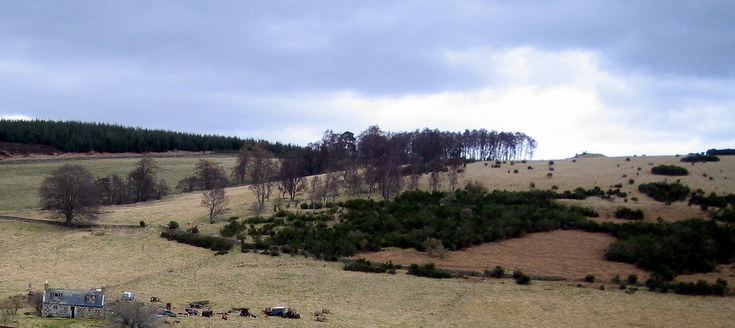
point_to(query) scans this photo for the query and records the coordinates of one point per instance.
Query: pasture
(139, 260)
(22, 178)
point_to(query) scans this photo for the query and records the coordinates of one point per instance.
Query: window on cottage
(90, 299)
(55, 296)
(55, 309)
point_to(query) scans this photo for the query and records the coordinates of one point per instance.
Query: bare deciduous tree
(215, 200)
(262, 173)
(352, 179)
(210, 175)
(414, 178)
(435, 180)
(292, 174)
(316, 191)
(371, 177)
(71, 193)
(389, 178)
(133, 314)
(455, 171)
(332, 183)
(241, 167)
(143, 179)
(435, 248)
(113, 190)
(9, 308)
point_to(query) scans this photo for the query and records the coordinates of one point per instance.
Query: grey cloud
(157, 64)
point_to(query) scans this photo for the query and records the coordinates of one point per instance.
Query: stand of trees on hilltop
(72, 136)
(376, 161)
(339, 151)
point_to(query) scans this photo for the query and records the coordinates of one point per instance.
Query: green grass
(20, 181)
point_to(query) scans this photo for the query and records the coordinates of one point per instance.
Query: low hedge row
(213, 243)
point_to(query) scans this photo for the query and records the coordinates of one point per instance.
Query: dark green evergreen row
(73, 136)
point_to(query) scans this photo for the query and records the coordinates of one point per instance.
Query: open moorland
(139, 260)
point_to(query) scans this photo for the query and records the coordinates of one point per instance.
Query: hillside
(140, 261)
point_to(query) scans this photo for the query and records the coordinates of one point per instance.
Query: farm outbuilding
(70, 303)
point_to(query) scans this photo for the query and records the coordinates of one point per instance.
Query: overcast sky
(611, 77)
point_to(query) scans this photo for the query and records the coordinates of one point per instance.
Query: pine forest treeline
(73, 136)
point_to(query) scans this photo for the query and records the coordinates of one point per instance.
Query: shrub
(725, 215)
(364, 265)
(428, 270)
(632, 279)
(213, 243)
(142, 223)
(587, 212)
(693, 158)
(497, 272)
(628, 214)
(194, 229)
(668, 249)
(665, 192)
(173, 225)
(589, 278)
(616, 279)
(521, 278)
(670, 170)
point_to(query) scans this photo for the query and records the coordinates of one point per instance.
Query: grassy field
(179, 274)
(21, 179)
(140, 261)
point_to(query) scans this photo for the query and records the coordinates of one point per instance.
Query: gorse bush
(665, 192)
(668, 249)
(364, 265)
(213, 243)
(497, 272)
(701, 287)
(428, 270)
(671, 170)
(521, 278)
(700, 158)
(712, 200)
(458, 219)
(628, 214)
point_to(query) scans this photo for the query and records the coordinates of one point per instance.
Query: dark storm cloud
(229, 66)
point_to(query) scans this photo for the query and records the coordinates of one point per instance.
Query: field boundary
(73, 226)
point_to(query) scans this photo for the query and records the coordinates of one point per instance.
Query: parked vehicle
(167, 313)
(278, 311)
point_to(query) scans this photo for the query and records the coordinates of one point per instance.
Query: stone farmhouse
(69, 303)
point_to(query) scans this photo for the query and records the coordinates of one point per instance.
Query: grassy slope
(150, 266)
(20, 180)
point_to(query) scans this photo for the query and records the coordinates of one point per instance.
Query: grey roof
(74, 297)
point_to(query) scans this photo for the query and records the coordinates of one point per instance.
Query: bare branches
(70, 192)
(263, 169)
(215, 201)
